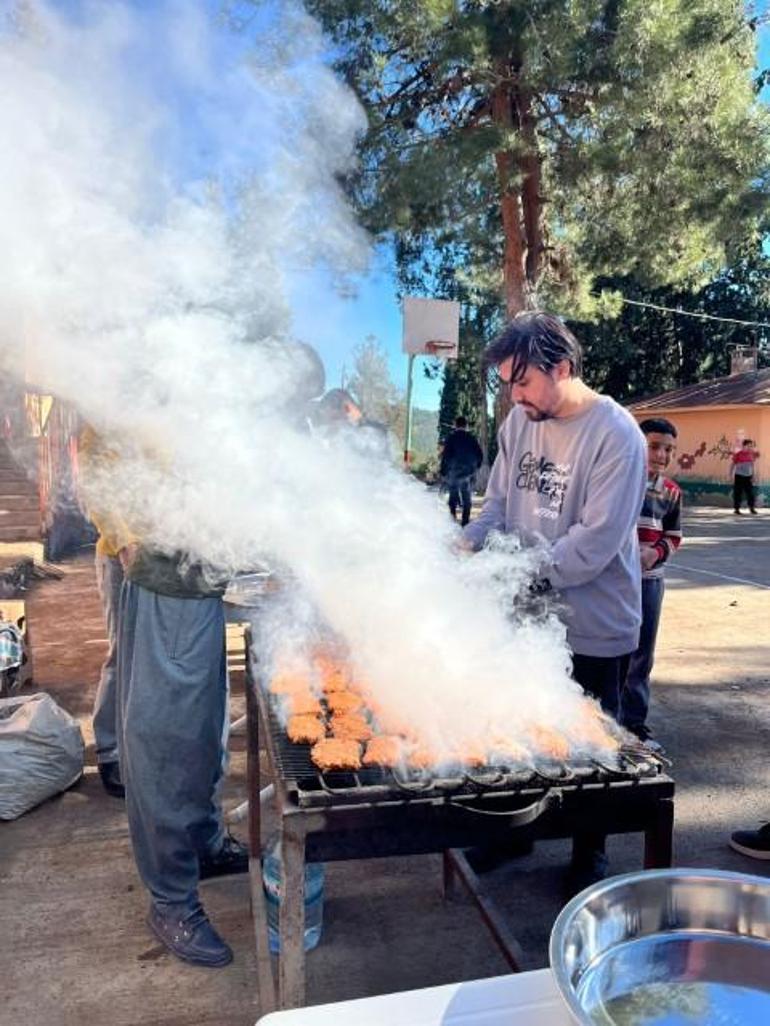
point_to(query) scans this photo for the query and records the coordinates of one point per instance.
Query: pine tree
(646, 350)
(545, 143)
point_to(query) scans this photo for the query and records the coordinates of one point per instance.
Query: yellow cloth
(114, 533)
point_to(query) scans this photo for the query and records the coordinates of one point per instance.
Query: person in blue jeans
(460, 459)
(660, 534)
(95, 455)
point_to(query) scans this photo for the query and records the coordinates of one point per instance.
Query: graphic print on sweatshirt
(551, 480)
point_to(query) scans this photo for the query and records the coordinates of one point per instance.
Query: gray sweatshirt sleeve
(492, 516)
(614, 496)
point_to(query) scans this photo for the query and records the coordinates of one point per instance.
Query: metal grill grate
(309, 786)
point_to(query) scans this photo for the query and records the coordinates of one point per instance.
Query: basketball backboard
(431, 327)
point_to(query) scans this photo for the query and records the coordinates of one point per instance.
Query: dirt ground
(75, 949)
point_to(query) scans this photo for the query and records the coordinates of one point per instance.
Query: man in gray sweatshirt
(571, 472)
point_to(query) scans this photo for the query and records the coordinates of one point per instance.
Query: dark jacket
(462, 455)
(175, 575)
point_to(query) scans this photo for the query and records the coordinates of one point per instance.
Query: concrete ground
(74, 946)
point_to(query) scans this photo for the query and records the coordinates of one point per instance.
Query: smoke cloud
(160, 184)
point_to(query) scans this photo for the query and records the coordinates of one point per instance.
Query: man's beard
(533, 413)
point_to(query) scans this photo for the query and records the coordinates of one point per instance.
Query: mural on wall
(723, 449)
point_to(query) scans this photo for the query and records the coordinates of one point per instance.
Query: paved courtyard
(75, 949)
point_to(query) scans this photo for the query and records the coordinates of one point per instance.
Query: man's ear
(563, 370)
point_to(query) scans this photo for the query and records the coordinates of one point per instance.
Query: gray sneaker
(189, 935)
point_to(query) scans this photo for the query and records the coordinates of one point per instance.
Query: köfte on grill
(334, 738)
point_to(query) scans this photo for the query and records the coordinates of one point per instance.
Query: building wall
(707, 438)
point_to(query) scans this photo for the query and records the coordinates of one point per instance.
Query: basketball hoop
(431, 327)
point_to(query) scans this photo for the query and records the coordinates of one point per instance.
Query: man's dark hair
(461, 422)
(535, 339)
(657, 425)
(748, 441)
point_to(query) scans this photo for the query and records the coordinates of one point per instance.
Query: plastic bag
(41, 752)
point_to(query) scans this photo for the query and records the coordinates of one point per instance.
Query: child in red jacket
(660, 532)
(743, 476)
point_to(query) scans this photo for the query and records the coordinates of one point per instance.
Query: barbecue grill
(375, 812)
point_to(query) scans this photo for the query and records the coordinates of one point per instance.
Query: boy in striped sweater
(660, 532)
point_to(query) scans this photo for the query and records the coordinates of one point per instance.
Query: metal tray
(673, 947)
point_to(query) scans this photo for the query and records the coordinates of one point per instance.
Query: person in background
(571, 470)
(743, 476)
(660, 534)
(109, 579)
(172, 704)
(337, 411)
(172, 689)
(461, 457)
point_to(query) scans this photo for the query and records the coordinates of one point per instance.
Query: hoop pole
(408, 426)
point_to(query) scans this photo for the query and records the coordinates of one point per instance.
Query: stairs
(19, 504)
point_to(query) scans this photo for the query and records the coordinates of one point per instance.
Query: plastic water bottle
(273, 887)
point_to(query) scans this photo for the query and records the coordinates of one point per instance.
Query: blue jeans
(460, 495)
(109, 579)
(172, 687)
(636, 693)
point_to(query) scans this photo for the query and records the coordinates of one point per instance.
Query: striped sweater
(660, 522)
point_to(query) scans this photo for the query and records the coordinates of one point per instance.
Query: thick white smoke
(155, 307)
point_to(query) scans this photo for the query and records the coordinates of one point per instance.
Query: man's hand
(126, 555)
(649, 556)
(462, 546)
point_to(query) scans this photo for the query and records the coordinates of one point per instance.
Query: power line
(694, 313)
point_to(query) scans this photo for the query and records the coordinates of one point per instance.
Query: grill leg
(659, 836)
(291, 963)
(503, 937)
(265, 979)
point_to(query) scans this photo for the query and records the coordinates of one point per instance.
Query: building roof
(752, 388)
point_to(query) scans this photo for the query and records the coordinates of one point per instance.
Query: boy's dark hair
(535, 339)
(461, 422)
(657, 425)
(748, 441)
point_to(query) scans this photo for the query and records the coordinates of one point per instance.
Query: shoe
(753, 512)
(589, 868)
(232, 858)
(485, 858)
(110, 774)
(189, 935)
(738, 512)
(754, 843)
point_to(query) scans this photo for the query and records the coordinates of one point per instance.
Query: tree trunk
(519, 177)
(514, 244)
(529, 165)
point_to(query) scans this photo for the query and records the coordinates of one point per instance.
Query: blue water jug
(273, 887)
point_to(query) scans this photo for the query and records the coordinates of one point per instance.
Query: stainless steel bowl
(666, 947)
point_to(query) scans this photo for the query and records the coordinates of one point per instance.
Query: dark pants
(460, 495)
(172, 693)
(743, 485)
(635, 697)
(603, 678)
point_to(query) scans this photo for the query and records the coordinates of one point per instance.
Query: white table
(521, 999)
